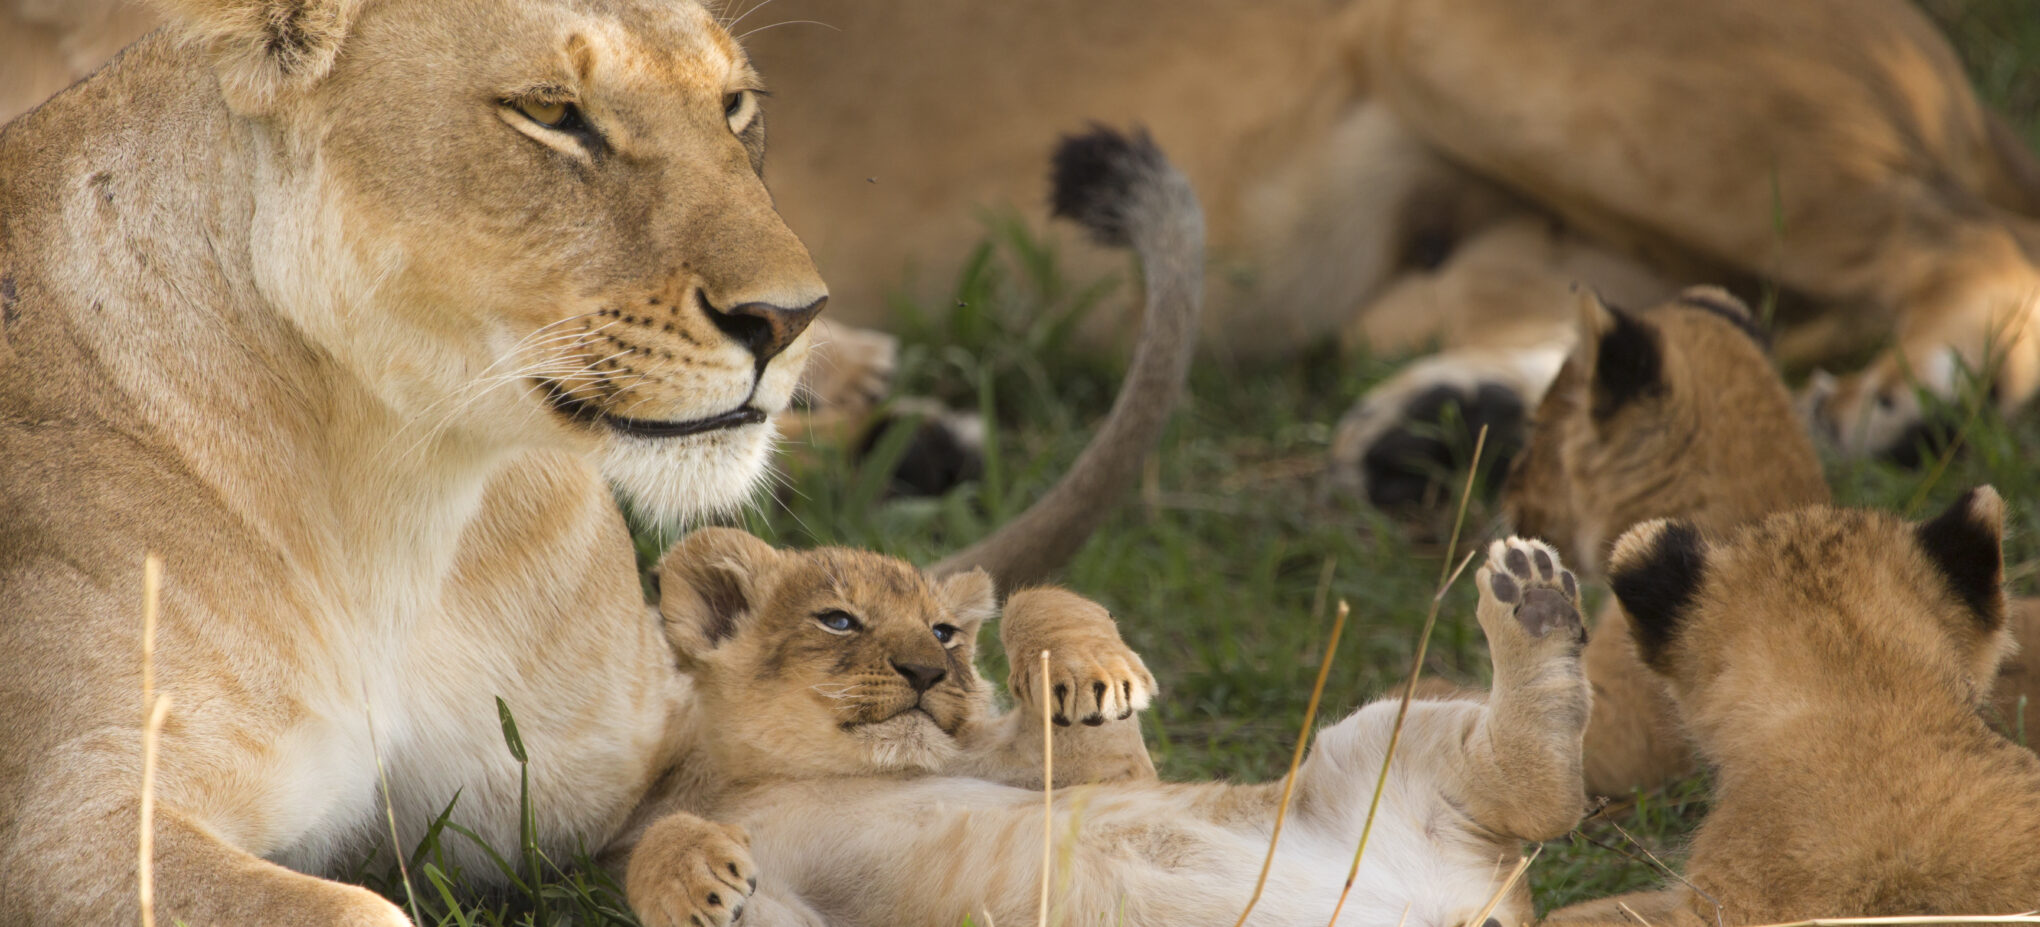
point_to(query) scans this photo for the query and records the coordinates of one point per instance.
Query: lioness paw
(1525, 580)
(687, 872)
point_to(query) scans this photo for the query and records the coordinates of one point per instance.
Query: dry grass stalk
(1495, 901)
(1448, 574)
(1047, 791)
(1296, 759)
(154, 710)
(1720, 912)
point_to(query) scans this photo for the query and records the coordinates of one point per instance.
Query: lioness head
(1672, 411)
(1817, 607)
(525, 222)
(827, 661)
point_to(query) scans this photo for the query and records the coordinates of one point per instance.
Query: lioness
(848, 793)
(347, 310)
(1830, 664)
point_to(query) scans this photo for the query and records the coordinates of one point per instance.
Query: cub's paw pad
(1528, 575)
(687, 872)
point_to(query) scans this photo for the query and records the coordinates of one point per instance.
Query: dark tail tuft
(1098, 176)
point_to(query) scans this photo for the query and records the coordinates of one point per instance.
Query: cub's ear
(1621, 352)
(1965, 544)
(264, 48)
(1655, 572)
(708, 584)
(970, 597)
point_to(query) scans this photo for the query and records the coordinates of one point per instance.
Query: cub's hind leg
(1521, 772)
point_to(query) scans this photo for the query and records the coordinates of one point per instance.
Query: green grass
(1213, 567)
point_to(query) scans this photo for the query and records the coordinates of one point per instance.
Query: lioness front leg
(70, 862)
(1520, 775)
(688, 872)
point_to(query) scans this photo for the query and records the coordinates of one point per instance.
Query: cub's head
(524, 222)
(1671, 412)
(827, 661)
(1817, 610)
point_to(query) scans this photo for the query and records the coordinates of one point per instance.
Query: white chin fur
(910, 741)
(675, 482)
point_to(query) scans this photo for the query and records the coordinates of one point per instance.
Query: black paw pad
(935, 458)
(1546, 610)
(1504, 588)
(1414, 463)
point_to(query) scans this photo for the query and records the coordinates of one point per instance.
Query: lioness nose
(763, 328)
(920, 675)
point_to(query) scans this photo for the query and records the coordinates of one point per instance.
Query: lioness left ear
(970, 597)
(263, 48)
(708, 584)
(1655, 572)
(1965, 543)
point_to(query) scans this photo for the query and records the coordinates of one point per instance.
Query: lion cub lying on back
(876, 786)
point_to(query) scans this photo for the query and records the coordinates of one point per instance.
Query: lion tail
(1124, 190)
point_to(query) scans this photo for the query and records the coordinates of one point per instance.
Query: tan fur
(1661, 130)
(285, 321)
(1841, 154)
(1685, 446)
(303, 297)
(745, 620)
(1864, 782)
(843, 831)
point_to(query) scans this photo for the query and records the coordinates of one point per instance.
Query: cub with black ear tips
(1830, 664)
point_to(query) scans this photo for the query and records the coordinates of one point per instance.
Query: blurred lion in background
(1406, 174)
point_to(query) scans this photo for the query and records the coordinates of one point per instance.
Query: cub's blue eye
(944, 633)
(837, 620)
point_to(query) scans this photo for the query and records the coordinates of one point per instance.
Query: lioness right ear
(1620, 352)
(1655, 572)
(263, 48)
(708, 584)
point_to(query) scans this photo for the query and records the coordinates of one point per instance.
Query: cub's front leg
(1521, 773)
(1094, 687)
(688, 872)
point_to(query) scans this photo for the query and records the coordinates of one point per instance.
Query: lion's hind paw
(1526, 578)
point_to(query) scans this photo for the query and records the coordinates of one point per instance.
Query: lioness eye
(838, 621)
(944, 632)
(552, 115)
(739, 109)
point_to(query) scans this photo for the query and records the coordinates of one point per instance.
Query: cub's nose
(920, 675)
(763, 328)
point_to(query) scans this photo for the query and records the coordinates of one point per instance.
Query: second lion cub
(857, 778)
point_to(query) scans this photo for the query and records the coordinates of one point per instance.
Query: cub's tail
(1125, 191)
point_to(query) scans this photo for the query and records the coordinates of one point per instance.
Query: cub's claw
(1093, 677)
(687, 872)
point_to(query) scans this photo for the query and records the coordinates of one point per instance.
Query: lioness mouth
(581, 410)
